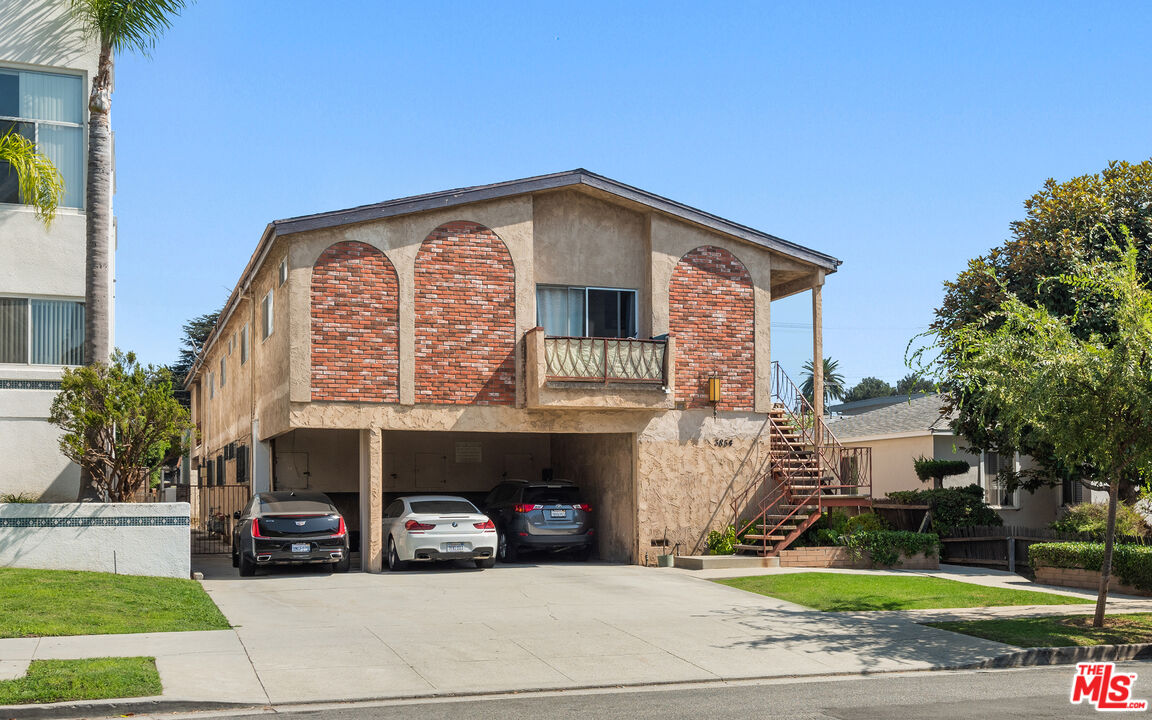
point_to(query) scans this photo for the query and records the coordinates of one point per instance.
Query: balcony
(593, 373)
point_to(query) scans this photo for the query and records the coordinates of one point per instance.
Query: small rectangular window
(244, 344)
(13, 330)
(282, 271)
(223, 372)
(211, 385)
(266, 316)
(231, 342)
(586, 312)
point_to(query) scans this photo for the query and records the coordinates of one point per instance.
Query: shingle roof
(919, 414)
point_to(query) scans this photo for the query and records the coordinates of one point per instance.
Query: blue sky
(901, 138)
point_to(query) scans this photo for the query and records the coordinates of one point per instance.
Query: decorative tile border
(29, 384)
(66, 522)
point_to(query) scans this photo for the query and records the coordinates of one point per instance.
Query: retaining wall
(1080, 578)
(839, 557)
(123, 538)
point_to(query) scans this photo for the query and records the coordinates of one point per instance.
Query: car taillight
(342, 530)
(486, 525)
(256, 528)
(583, 506)
(523, 507)
(414, 525)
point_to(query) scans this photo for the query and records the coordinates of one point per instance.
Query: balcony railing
(606, 360)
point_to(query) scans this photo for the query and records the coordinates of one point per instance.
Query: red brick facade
(355, 325)
(465, 317)
(711, 316)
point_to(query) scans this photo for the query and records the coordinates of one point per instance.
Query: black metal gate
(212, 509)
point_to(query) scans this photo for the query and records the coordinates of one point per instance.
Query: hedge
(886, 546)
(1131, 563)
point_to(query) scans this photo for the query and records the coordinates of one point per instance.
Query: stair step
(770, 538)
(754, 548)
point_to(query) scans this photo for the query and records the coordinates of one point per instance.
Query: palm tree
(118, 25)
(833, 381)
(41, 184)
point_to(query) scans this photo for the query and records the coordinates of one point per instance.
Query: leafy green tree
(1080, 382)
(1065, 224)
(833, 381)
(913, 383)
(120, 422)
(196, 332)
(869, 388)
(41, 184)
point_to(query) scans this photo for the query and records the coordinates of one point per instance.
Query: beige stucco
(603, 466)
(892, 462)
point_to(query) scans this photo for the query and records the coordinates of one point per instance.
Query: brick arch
(465, 317)
(355, 310)
(711, 315)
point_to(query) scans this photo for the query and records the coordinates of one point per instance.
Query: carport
(468, 464)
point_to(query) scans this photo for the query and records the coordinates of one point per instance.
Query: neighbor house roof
(859, 406)
(479, 193)
(918, 415)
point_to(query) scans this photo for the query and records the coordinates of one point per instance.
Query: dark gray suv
(289, 528)
(549, 516)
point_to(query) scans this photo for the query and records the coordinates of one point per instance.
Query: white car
(423, 528)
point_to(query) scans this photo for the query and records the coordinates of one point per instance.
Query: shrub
(1092, 519)
(886, 546)
(865, 522)
(722, 543)
(22, 497)
(1131, 563)
(951, 507)
(936, 470)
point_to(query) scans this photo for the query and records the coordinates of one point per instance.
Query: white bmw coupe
(424, 528)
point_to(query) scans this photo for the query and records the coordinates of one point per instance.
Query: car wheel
(342, 565)
(505, 550)
(486, 563)
(395, 564)
(247, 567)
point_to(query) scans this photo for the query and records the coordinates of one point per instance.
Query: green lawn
(1058, 631)
(65, 602)
(842, 592)
(93, 679)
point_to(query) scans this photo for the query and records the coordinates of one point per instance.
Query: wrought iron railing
(605, 360)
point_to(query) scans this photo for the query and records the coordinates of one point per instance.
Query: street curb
(113, 708)
(1034, 657)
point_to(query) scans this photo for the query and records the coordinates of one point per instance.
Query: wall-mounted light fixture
(714, 389)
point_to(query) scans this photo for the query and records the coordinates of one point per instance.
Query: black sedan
(288, 528)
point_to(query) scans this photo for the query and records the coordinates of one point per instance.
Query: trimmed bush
(886, 546)
(1092, 519)
(865, 522)
(951, 507)
(1131, 563)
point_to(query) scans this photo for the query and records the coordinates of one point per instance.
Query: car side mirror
(236, 515)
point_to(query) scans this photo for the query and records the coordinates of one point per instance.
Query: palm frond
(41, 184)
(127, 24)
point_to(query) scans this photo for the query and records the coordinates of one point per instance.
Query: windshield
(443, 506)
(552, 495)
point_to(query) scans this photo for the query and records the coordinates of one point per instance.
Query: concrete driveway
(313, 636)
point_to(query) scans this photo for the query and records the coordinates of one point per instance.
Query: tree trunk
(98, 226)
(1109, 542)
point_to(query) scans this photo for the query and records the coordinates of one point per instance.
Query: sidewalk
(315, 638)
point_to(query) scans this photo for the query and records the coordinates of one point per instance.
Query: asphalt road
(1002, 694)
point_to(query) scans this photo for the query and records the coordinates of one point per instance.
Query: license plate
(301, 547)
(455, 547)
(558, 513)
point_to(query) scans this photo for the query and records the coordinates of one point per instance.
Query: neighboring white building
(46, 65)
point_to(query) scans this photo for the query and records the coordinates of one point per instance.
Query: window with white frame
(36, 331)
(266, 316)
(48, 109)
(565, 311)
(995, 489)
(282, 271)
(244, 344)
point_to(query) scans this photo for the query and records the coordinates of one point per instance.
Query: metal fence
(1005, 547)
(212, 509)
(605, 359)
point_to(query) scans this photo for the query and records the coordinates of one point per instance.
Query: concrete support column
(818, 344)
(261, 461)
(371, 500)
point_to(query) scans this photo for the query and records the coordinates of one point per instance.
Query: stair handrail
(781, 492)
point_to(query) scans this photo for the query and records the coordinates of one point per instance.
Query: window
(266, 316)
(47, 109)
(1072, 491)
(282, 271)
(586, 312)
(994, 487)
(211, 385)
(244, 344)
(223, 372)
(231, 342)
(41, 332)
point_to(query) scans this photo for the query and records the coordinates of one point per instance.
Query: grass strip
(35, 603)
(844, 592)
(1057, 631)
(49, 681)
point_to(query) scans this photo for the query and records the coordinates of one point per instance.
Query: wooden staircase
(808, 471)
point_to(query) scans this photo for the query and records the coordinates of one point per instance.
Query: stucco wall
(124, 538)
(30, 448)
(603, 466)
(892, 462)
